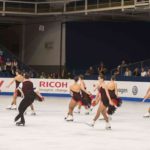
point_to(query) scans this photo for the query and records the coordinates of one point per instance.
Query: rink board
(130, 91)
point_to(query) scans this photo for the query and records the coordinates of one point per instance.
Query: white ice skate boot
(9, 107)
(87, 111)
(108, 126)
(91, 124)
(33, 113)
(147, 115)
(14, 107)
(69, 118)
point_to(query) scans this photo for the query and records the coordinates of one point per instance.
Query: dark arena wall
(89, 43)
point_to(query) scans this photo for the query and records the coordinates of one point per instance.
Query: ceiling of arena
(142, 13)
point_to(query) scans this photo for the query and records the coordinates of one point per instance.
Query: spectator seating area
(9, 63)
(139, 71)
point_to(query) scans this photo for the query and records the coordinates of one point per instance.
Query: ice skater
(113, 92)
(28, 94)
(86, 96)
(17, 79)
(147, 95)
(75, 91)
(105, 101)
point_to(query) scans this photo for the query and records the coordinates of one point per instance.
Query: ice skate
(9, 107)
(14, 107)
(69, 118)
(20, 123)
(33, 113)
(87, 112)
(147, 115)
(91, 124)
(108, 126)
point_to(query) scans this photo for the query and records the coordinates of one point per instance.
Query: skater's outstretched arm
(11, 83)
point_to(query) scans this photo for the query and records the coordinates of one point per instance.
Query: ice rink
(49, 131)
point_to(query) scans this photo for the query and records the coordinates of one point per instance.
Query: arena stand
(7, 56)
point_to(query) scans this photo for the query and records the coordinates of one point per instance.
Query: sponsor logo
(122, 91)
(134, 90)
(53, 84)
(1, 83)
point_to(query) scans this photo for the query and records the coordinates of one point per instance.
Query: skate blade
(108, 128)
(8, 108)
(13, 108)
(77, 112)
(146, 116)
(20, 124)
(69, 120)
(87, 113)
(90, 125)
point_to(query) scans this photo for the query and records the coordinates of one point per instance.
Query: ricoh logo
(1, 83)
(53, 84)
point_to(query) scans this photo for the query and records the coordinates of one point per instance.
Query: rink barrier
(68, 95)
(129, 91)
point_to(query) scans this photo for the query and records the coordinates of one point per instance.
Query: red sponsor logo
(1, 83)
(53, 84)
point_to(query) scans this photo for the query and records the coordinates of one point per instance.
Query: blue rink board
(68, 95)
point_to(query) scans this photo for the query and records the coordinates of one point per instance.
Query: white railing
(60, 7)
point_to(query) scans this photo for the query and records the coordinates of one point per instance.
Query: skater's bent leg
(72, 105)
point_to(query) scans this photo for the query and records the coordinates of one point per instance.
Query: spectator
(90, 71)
(42, 76)
(123, 64)
(148, 73)
(8, 65)
(136, 72)
(117, 71)
(101, 69)
(1, 60)
(31, 74)
(127, 72)
(143, 72)
(1, 52)
(14, 66)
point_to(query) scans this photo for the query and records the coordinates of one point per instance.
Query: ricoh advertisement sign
(54, 86)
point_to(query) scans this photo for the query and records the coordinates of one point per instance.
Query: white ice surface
(48, 130)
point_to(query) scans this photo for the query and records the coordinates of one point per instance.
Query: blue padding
(6, 93)
(68, 95)
(56, 95)
(134, 99)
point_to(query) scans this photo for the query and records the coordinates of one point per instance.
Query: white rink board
(61, 86)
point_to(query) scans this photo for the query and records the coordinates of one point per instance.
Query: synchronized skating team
(106, 98)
